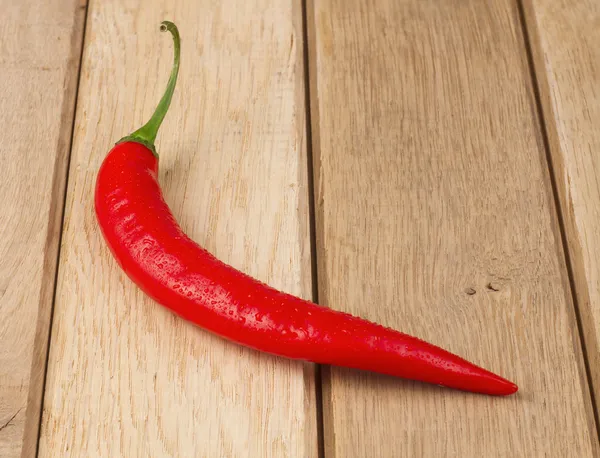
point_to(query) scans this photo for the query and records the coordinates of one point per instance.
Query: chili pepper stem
(146, 135)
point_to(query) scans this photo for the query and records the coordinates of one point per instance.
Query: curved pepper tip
(486, 382)
(502, 387)
(509, 388)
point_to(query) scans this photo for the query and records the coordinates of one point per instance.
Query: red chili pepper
(166, 264)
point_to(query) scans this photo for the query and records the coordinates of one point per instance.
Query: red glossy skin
(156, 254)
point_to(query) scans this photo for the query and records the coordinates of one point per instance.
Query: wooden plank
(40, 45)
(564, 38)
(435, 216)
(125, 376)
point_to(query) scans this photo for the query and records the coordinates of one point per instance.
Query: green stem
(147, 133)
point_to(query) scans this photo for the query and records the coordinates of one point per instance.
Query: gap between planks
(312, 209)
(32, 434)
(543, 123)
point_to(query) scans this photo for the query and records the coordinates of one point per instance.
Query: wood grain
(40, 44)
(435, 216)
(126, 377)
(564, 40)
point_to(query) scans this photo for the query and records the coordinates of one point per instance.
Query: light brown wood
(126, 378)
(40, 45)
(435, 216)
(564, 41)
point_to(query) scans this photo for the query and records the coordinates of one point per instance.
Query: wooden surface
(452, 147)
(125, 376)
(39, 59)
(568, 66)
(436, 216)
